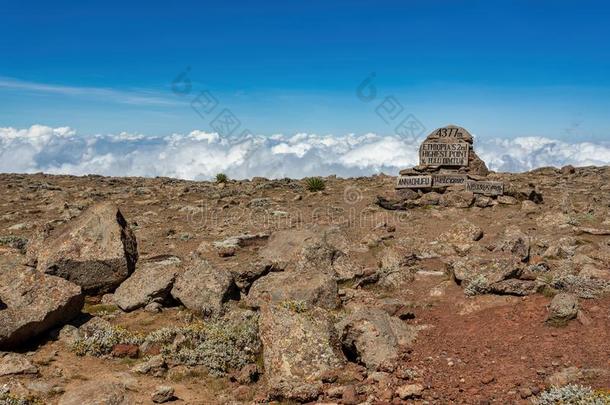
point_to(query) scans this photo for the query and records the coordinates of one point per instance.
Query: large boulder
(96, 250)
(309, 287)
(33, 302)
(372, 337)
(204, 289)
(323, 256)
(151, 282)
(283, 247)
(300, 346)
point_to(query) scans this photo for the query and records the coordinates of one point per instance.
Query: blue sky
(501, 69)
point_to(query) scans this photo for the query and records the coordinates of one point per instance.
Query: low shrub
(16, 242)
(219, 345)
(101, 341)
(572, 394)
(6, 398)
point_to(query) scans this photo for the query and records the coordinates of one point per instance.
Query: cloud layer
(200, 155)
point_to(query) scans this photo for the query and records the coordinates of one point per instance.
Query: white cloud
(200, 155)
(134, 97)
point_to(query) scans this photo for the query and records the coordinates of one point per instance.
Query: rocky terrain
(139, 291)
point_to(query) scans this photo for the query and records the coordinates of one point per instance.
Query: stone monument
(448, 162)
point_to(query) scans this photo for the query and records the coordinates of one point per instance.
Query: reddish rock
(126, 350)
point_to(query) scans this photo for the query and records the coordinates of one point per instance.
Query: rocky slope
(134, 290)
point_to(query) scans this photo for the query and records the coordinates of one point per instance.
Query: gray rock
(204, 289)
(482, 201)
(97, 250)
(507, 200)
(462, 231)
(431, 198)
(239, 241)
(515, 242)
(68, 335)
(563, 308)
(15, 363)
(299, 348)
(309, 287)
(322, 256)
(457, 199)
(284, 247)
(493, 270)
(155, 366)
(35, 302)
(97, 392)
(162, 394)
(152, 281)
(407, 193)
(515, 287)
(374, 338)
(245, 274)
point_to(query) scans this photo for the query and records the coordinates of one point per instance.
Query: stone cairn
(448, 163)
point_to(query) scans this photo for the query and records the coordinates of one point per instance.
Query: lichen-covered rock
(563, 308)
(283, 247)
(299, 347)
(457, 199)
(374, 338)
(33, 302)
(97, 250)
(162, 394)
(492, 269)
(204, 289)
(15, 363)
(97, 392)
(462, 231)
(515, 242)
(515, 287)
(152, 281)
(309, 287)
(324, 257)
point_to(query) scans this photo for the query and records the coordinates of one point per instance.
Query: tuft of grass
(295, 306)
(99, 309)
(6, 398)
(315, 184)
(16, 242)
(572, 394)
(221, 178)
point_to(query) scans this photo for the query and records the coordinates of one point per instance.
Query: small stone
(162, 394)
(507, 200)
(563, 308)
(350, 397)
(153, 307)
(14, 363)
(525, 393)
(410, 391)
